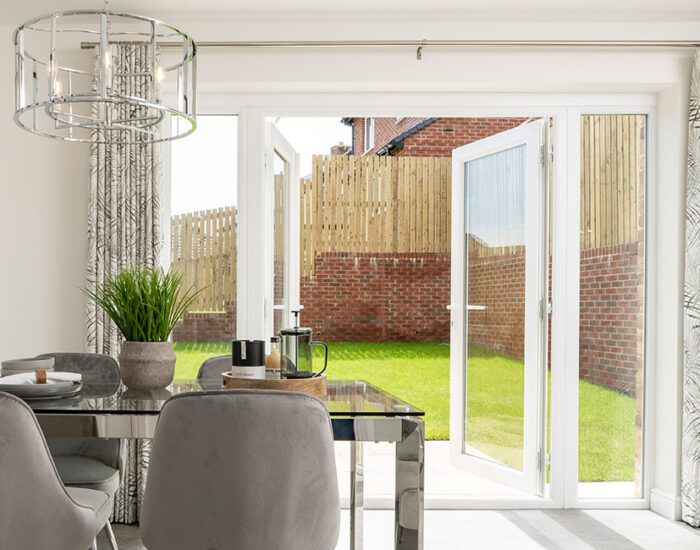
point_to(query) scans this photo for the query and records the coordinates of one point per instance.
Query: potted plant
(145, 304)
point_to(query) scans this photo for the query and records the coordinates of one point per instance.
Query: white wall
(43, 242)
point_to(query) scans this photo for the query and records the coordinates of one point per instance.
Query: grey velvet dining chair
(37, 512)
(213, 367)
(243, 470)
(90, 463)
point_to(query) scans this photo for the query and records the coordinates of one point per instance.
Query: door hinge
(545, 308)
(543, 155)
(543, 460)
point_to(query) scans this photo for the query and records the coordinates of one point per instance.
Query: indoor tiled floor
(512, 530)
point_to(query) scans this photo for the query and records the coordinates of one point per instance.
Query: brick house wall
(436, 139)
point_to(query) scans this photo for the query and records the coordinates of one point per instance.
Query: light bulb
(160, 73)
(108, 59)
(57, 87)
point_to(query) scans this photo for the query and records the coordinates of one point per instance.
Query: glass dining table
(360, 412)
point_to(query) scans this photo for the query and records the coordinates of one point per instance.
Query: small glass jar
(273, 360)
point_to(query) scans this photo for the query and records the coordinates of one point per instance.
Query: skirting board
(665, 505)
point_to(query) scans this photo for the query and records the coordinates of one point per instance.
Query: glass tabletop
(344, 398)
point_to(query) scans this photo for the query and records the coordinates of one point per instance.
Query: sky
(204, 164)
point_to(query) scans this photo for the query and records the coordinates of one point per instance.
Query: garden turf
(420, 374)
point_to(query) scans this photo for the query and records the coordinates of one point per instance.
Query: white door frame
(275, 142)
(252, 109)
(531, 478)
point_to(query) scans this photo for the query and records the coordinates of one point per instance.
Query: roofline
(397, 142)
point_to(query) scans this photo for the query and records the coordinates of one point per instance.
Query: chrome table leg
(410, 479)
(357, 494)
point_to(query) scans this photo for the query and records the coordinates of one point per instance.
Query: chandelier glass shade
(139, 85)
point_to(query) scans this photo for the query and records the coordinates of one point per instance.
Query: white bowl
(15, 366)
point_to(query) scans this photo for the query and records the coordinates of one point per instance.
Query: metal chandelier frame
(81, 104)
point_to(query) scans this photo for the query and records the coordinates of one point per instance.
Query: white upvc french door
(498, 361)
(282, 192)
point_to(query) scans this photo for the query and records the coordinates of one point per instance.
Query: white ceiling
(15, 12)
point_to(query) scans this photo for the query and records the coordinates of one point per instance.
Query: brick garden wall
(498, 282)
(611, 329)
(207, 326)
(370, 297)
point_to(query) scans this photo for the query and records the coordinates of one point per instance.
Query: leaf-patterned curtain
(123, 230)
(690, 463)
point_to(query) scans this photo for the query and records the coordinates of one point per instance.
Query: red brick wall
(402, 297)
(373, 297)
(437, 139)
(385, 129)
(498, 282)
(207, 326)
(611, 331)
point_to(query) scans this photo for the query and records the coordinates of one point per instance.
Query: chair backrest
(35, 509)
(213, 367)
(242, 468)
(95, 368)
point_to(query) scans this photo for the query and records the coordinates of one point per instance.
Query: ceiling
(13, 13)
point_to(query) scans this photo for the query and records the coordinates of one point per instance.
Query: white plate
(55, 389)
(14, 366)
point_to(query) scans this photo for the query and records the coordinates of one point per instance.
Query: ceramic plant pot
(147, 365)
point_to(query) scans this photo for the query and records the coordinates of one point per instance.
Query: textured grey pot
(147, 365)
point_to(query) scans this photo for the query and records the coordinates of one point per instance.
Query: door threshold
(460, 503)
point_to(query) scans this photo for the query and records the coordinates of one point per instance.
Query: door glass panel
(281, 175)
(611, 321)
(203, 238)
(495, 312)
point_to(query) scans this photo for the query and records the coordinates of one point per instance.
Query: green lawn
(419, 374)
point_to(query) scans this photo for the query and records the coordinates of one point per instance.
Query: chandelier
(138, 86)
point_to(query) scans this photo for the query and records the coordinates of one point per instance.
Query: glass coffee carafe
(297, 352)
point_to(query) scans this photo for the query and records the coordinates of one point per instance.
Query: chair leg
(94, 545)
(110, 537)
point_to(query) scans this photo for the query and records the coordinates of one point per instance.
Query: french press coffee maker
(297, 351)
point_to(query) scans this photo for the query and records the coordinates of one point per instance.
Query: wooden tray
(315, 386)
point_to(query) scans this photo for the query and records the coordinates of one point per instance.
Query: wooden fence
(375, 204)
(613, 156)
(203, 249)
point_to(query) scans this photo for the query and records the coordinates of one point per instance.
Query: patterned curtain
(690, 474)
(123, 230)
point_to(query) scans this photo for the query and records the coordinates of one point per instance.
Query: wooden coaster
(315, 386)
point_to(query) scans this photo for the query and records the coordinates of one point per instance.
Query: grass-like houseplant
(145, 304)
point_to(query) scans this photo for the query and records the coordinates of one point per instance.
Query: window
(611, 324)
(203, 237)
(369, 133)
